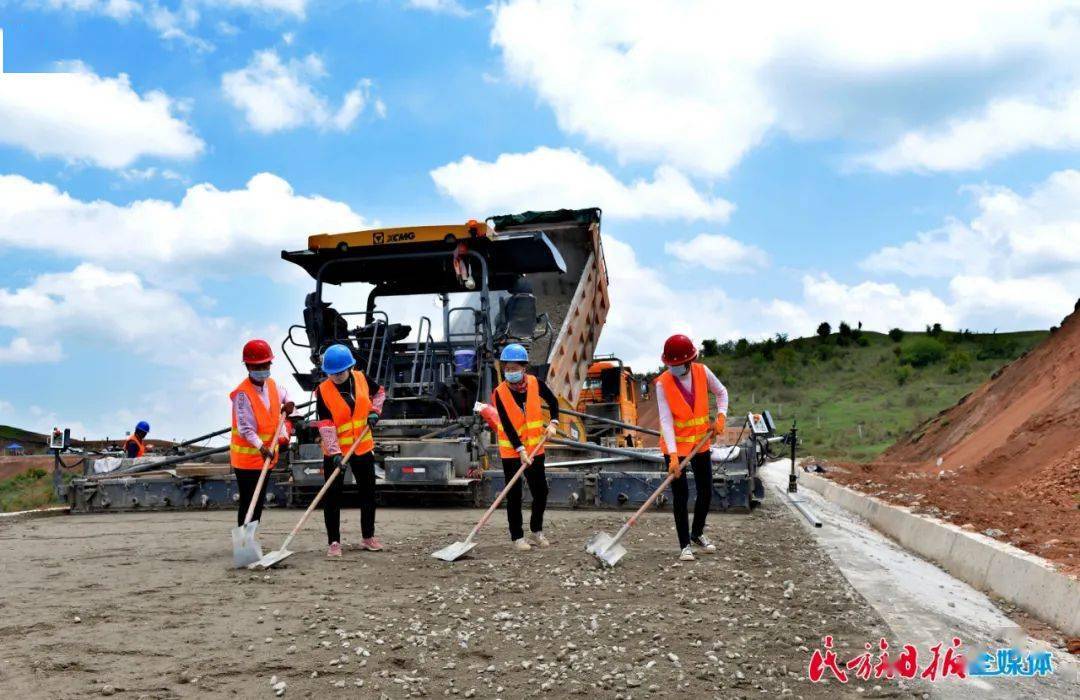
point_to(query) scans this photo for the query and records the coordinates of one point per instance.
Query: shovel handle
(660, 489)
(506, 489)
(265, 471)
(325, 487)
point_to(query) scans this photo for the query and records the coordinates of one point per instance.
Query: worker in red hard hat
(682, 402)
(257, 403)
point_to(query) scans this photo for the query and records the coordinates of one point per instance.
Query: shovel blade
(246, 549)
(604, 548)
(454, 551)
(272, 559)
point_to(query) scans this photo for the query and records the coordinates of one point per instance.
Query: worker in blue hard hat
(133, 444)
(521, 425)
(353, 402)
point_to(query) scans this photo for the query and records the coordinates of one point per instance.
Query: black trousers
(701, 463)
(537, 487)
(245, 484)
(363, 469)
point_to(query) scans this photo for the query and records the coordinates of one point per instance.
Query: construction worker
(682, 402)
(521, 424)
(354, 403)
(257, 404)
(133, 444)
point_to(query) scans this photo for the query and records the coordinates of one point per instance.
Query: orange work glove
(720, 424)
(673, 465)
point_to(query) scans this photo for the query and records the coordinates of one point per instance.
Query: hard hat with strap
(690, 422)
(514, 352)
(242, 454)
(350, 424)
(257, 352)
(529, 423)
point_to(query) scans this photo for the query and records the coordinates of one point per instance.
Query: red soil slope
(1009, 454)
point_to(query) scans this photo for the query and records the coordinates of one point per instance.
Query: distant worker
(257, 404)
(354, 403)
(682, 402)
(521, 424)
(134, 445)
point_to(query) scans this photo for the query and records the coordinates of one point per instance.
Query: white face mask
(340, 377)
(259, 375)
(679, 370)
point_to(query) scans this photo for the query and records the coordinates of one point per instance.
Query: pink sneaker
(372, 544)
(335, 550)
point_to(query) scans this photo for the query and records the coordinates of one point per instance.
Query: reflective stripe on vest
(350, 424)
(242, 455)
(529, 423)
(135, 438)
(690, 423)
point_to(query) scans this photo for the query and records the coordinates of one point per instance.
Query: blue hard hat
(514, 352)
(143, 426)
(337, 358)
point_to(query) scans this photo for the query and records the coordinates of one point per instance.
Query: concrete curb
(1023, 579)
(37, 513)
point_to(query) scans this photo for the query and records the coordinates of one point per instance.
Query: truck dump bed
(576, 302)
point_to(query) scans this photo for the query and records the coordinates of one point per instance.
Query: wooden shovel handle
(265, 471)
(506, 489)
(671, 477)
(325, 487)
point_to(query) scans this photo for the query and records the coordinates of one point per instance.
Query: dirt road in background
(147, 605)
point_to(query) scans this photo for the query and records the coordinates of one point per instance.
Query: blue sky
(759, 170)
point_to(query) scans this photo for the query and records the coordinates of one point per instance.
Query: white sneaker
(687, 554)
(521, 545)
(704, 543)
(538, 539)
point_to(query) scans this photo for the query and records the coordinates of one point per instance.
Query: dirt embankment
(1005, 459)
(13, 466)
(148, 604)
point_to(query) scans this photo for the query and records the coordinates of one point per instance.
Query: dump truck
(610, 391)
(535, 278)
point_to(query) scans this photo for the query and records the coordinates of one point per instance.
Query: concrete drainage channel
(883, 551)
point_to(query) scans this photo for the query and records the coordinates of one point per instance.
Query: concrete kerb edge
(1023, 579)
(37, 513)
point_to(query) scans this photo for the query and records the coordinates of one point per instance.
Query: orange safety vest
(241, 454)
(528, 424)
(350, 425)
(691, 423)
(135, 438)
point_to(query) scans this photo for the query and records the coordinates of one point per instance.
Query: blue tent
(14, 448)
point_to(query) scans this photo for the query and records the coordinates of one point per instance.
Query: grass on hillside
(31, 489)
(855, 394)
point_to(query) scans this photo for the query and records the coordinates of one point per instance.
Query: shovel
(279, 555)
(459, 549)
(245, 549)
(607, 548)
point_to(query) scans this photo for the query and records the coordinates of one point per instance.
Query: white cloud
(1003, 128)
(697, 84)
(82, 117)
(209, 228)
(1011, 236)
(549, 178)
(719, 253)
(114, 309)
(1015, 264)
(21, 351)
(180, 20)
(275, 96)
(449, 7)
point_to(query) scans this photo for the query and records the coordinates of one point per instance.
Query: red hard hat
(256, 352)
(678, 350)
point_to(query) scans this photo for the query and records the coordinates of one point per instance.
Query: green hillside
(855, 392)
